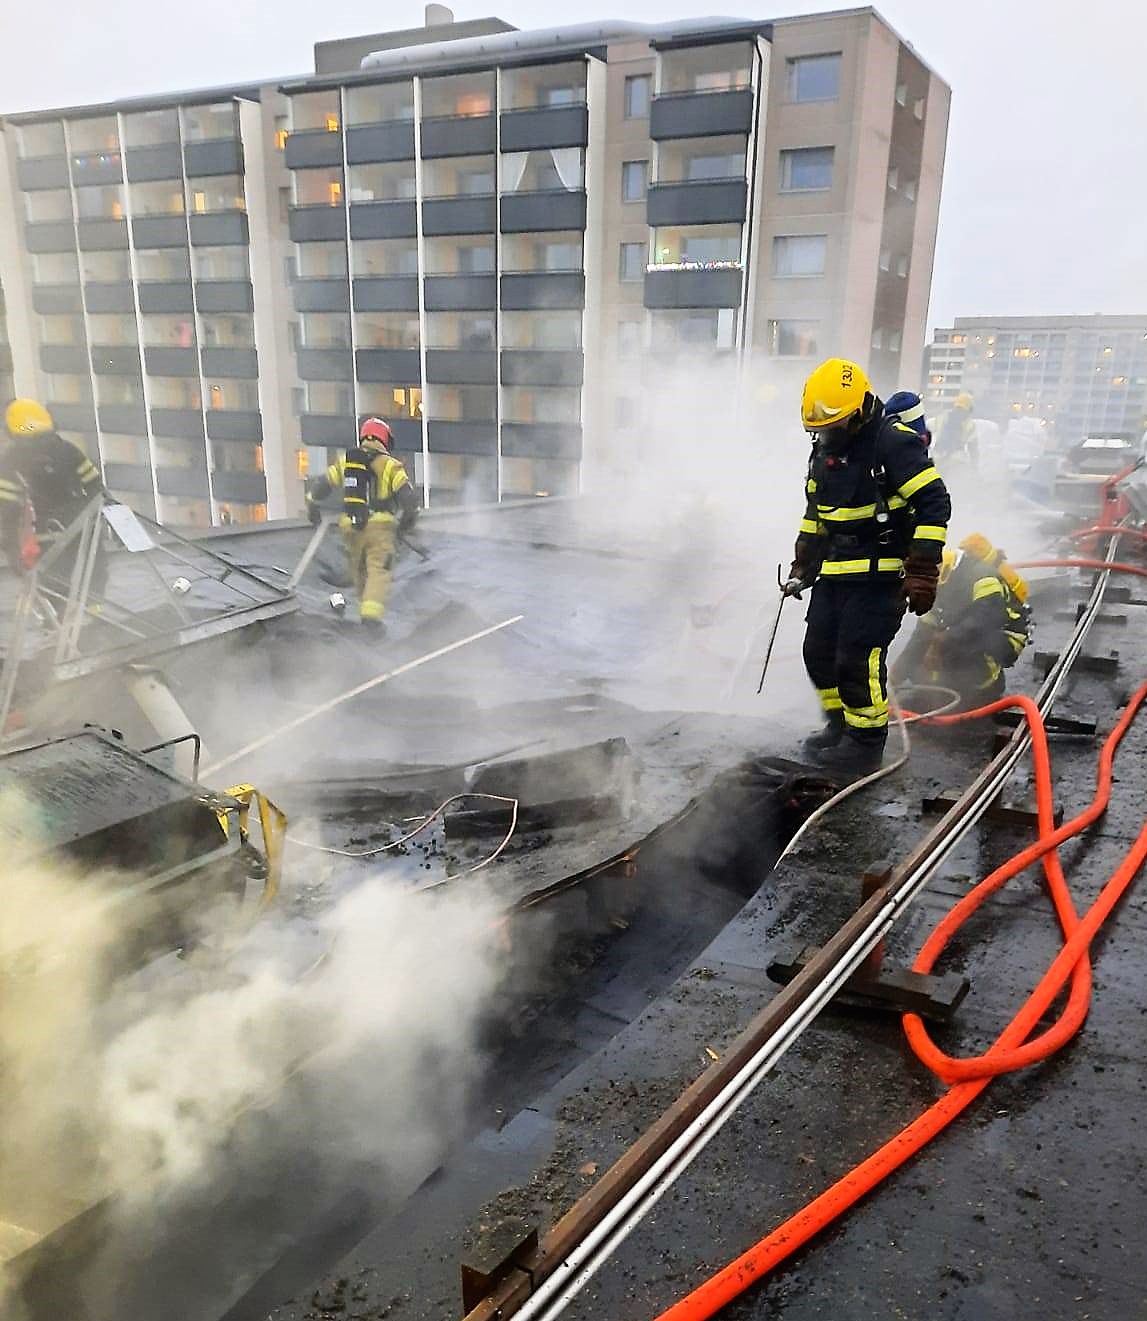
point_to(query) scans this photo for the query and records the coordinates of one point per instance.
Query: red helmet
(374, 428)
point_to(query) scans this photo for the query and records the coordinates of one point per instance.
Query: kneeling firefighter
(378, 502)
(876, 518)
(977, 629)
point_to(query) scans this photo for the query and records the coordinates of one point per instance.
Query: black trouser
(849, 627)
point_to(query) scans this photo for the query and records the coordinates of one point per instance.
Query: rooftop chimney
(438, 15)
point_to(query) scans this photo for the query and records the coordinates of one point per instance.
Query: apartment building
(1075, 375)
(501, 241)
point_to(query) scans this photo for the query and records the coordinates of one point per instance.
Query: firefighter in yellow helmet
(954, 439)
(874, 527)
(45, 482)
(377, 503)
(977, 629)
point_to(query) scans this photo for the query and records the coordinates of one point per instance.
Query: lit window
(814, 78)
(335, 192)
(302, 463)
(805, 169)
(793, 339)
(199, 202)
(281, 137)
(799, 255)
(332, 123)
(1106, 352)
(637, 90)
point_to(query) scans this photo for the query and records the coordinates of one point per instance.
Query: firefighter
(876, 516)
(45, 483)
(906, 406)
(956, 439)
(378, 502)
(977, 629)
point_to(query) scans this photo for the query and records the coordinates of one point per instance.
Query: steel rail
(590, 1232)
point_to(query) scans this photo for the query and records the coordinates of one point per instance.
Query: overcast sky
(1044, 186)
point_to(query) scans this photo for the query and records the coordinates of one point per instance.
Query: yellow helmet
(980, 548)
(964, 400)
(947, 564)
(835, 392)
(25, 417)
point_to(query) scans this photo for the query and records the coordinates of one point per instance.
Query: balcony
(234, 424)
(109, 296)
(386, 293)
(462, 366)
(50, 236)
(313, 147)
(115, 360)
(102, 235)
(214, 229)
(459, 135)
(123, 419)
(231, 364)
(526, 291)
(324, 364)
(447, 437)
(53, 299)
(73, 417)
(407, 433)
(542, 367)
(97, 167)
(544, 127)
(246, 488)
(159, 232)
(145, 164)
(701, 114)
(177, 423)
(383, 220)
(389, 366)
(217, 156)
(171, 362)
(461, 293)
(165, 296)
(127, 477)
(321, 295)
(317, 223)
(190, 481)
(333, 429)
(550, 208)
(37, 172)
(718, 286)
(380, 142)
(65, 359)
(541, 440)
(224, 295)
(701, 202)
(477, 214)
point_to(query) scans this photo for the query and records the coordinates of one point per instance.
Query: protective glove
(314, 513)
(798, 579)
(921, 579)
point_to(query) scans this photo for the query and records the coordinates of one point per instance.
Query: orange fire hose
(1115, 567)
(1012, 1050)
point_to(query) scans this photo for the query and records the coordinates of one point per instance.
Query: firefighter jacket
(52, 475)
(390, 494)
(977, 621)
(872, 503)
(955, 436)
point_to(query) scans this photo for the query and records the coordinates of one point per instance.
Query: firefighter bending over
(876, 517)
(977, 629)
(378, 502)
(45, 483)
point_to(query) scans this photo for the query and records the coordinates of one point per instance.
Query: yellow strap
(845, 514)
(830, 698)
(335, 473)
(930, 532)
(837, 567)
(863, 720)
(985, 587)
(6, 485)
(922, 479)
(875, 688)
(11, 497)
(810, 486)
(807, 525)
(995, 669)
(897, 502)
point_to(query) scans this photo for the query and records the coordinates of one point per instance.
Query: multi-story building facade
(501, 241)
(1075, 375)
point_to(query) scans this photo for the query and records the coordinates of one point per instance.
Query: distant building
(504, 242)
(1075, 375)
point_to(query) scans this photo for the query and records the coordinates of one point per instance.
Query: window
(814, 78)
(632, 261)
(163, 264)
(209, 123)
(100, 202)
(318, 187)
(235, 331)
(902, 267)
(324, 330)
(43, 139)
(321, 261)
(918, 107)
(893, 178)
(805, 169)
(878, 338)
(157, 199)
(637, 89)
(799, 255)
(894, 338)
(177, 331)
(910, 190)
(225, 263)
(224, 192)
(793, 339)
(901, 93)
(557, 256)
(633, 180)
(628, 338)
(106, 266)
(710, 247)
(53, 204)
(727, 165)
(55, 267)
(477, 259)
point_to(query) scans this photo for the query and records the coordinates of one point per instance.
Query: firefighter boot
(854, 756)
(828, 737)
